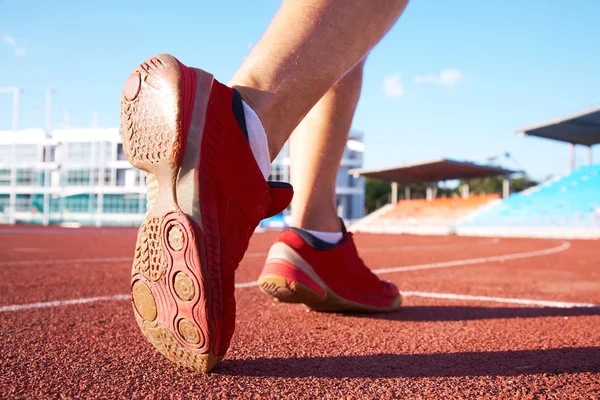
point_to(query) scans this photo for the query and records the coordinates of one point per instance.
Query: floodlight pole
(49, 93)
(16, 104)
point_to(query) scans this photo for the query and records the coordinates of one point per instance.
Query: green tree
(375, 190)
(493, 184)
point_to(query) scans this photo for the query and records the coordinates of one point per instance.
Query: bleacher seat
(437, 212)
(572, 201)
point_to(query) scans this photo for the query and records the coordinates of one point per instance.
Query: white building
(349, 191)
(74, 175)
(81, 176)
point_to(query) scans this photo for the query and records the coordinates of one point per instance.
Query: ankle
(264, 104)
(315, 223)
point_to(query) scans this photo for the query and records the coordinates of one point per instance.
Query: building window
(77, 177)
(107, 176)
(23, 202)
(49, 154)
(139, 178)
(277, 173)
(79, 203)
(4, 201)
(25, 177)
(123, 204)
(120, 152)
(121, 177)
(5, 177)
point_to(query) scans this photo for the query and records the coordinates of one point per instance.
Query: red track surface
(432, 348)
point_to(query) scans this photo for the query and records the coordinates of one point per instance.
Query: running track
(483, 317)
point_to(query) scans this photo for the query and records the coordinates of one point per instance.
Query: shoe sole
(170, 285)
(308, 289)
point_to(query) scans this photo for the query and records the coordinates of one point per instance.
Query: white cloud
(18, 51)
(446, 77)
(450, 76)
(9, 40)
(392, 86)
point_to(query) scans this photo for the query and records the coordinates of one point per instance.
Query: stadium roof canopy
(579, 128)
(442, 169)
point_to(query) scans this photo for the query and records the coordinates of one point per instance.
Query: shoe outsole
(169, 283)
(282, 287)
(297, 293)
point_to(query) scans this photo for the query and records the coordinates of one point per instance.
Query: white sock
(258, 140)
(329, 237)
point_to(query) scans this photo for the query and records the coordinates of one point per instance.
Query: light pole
(16, 92)
(49, 93)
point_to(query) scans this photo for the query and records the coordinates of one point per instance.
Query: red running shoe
(301, 268)
(206, 195)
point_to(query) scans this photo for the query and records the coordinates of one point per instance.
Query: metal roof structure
(579, 128)
(441, 169)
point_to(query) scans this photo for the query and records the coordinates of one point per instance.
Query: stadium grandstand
(432, 215)
(567, 206)
(563, 207)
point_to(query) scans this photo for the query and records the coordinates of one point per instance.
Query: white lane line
(527, 302)
(399, 248)
(470, 261)
(247, 255)
(70, 261)
(246, 285)
(59, 303)
(429, 295)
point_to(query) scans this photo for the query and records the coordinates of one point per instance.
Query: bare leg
(324, 272)
(316, 147)
(308, 47)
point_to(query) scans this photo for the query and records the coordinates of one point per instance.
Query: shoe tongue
(281, 196)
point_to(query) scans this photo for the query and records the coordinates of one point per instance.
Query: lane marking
(470, 261)
(70, 261)
(398, 248)
(429, 295)
(246, 285)
(59, 303)
(528, 302)
(248, 255)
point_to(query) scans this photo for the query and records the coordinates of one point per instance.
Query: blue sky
(451, 79)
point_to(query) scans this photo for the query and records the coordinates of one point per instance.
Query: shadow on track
(465, 313)
(501, 363)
